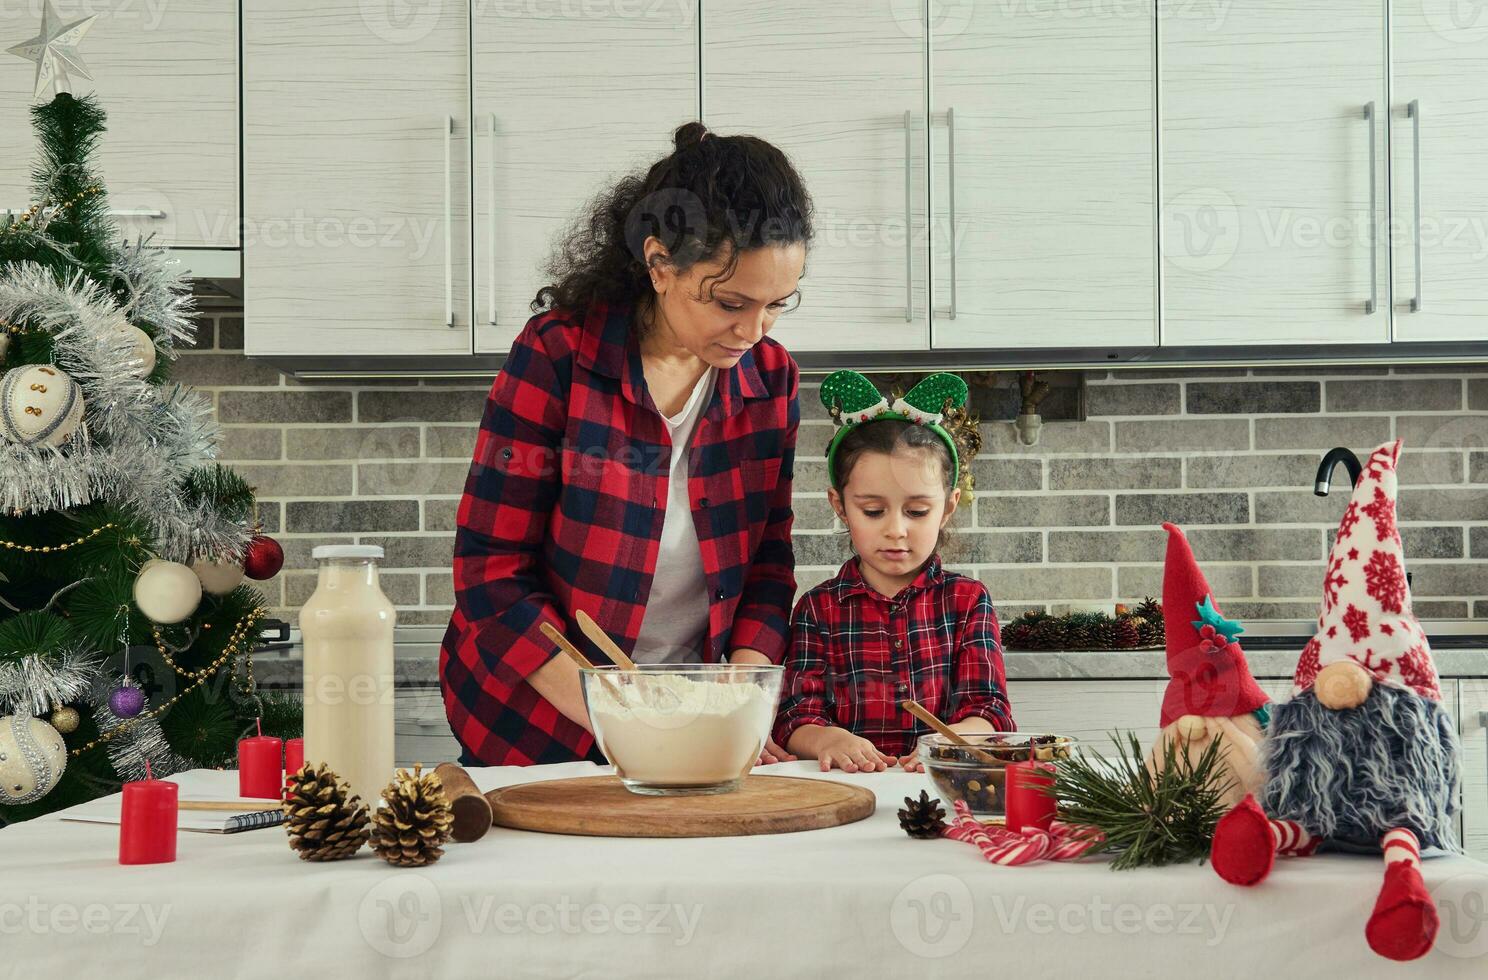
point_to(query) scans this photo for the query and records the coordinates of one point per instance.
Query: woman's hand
(851, 753)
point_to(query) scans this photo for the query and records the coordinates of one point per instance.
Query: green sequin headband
(851, 399)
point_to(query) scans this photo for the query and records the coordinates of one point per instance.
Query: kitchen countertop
(417, 662)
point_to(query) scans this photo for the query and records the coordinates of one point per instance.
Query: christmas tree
(123, 544)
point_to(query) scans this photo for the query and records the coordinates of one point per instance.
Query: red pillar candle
(147, 824)
(294, 756)
(261, 766)
(1028, 802)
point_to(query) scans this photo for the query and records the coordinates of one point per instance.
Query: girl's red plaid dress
(563, 511)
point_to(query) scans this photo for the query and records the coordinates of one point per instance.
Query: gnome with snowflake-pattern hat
(1364, 757)
(1211, 695)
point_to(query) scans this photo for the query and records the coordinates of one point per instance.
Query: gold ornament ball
(167, 591)
(39, 405)
(65, 720)
(4, 342)
(32, 759)
(218, 577)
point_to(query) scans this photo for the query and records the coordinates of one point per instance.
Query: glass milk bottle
(347, 629)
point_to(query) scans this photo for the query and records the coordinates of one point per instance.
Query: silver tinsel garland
(34, 685)
(138, 441)
(132, 741)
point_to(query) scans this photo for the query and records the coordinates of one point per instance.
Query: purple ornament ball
(126, 702)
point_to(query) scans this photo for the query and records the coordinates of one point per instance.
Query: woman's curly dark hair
(713, 195)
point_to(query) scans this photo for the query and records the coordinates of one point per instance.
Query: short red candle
(147, 824)
(294, 756)
(1027, 804)
(261, 766)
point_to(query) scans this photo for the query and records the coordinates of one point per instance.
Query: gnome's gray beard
(1348, 776)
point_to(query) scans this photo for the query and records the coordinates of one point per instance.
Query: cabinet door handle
(1372, 302)
(908, 218)
(951, 197)
(491, 225)
(1413, 109)
(152, 214)
(449, 234)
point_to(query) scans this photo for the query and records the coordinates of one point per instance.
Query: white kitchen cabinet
(1272, 141)
(1044, 176)
(1472, 724)
(167, 77)
(421, 729)
(563, 107)
(840, 87)
(1439, 56)
(356, 164)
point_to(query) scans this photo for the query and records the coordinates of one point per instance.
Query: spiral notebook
(229, 821)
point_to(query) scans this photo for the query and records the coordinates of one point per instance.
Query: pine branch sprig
(1148, 818)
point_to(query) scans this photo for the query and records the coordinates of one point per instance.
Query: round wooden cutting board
(599, 806)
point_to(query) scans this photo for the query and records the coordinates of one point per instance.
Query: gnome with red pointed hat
(1211, 695)
(1364, 757)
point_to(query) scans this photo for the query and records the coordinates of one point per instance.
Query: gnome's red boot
(1404, 922)
(1244, 848)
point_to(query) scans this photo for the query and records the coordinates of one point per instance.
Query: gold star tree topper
(55, 50)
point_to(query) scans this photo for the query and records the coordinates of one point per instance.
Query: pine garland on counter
(1126, 630)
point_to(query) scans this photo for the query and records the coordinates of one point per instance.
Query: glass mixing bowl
(682, 729)
(977, 774)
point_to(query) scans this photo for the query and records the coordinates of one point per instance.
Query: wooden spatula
(918, 710)
(602, 640)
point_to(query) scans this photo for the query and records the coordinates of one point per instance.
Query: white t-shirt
(674, 627)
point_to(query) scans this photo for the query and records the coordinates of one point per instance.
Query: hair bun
(689, 135)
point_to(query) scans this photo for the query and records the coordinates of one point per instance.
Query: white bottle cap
(324, 551)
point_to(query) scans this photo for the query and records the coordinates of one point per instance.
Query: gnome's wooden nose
(1342, 685)
(1192, 728)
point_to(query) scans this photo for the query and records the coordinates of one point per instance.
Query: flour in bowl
(669, 729)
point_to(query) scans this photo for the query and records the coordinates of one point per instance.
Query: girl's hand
(911, 763)
(774, 753)
(850, 753)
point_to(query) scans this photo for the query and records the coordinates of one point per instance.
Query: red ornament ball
(264, 558)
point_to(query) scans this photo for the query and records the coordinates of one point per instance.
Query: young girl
(893, 625)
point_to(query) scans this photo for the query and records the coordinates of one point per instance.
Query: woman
(636, 453)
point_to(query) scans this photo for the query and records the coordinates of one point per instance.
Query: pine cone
(1151, 610)
(922, 819)
(1087, 631)
(1124, 634)
(1148, 635)
(1017, 634)
(1049, 634)
(415, 822)
(325, 821)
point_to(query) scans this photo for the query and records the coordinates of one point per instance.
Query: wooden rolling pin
(472, 811)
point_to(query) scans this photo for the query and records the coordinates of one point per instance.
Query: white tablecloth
(861, 900)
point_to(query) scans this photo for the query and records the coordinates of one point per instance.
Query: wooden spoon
(918, 710)
(602, 640)
(558, 638)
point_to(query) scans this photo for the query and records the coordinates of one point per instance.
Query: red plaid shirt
(856, 655)
(563, 511)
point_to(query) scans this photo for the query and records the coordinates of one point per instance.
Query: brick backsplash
(1230, 453)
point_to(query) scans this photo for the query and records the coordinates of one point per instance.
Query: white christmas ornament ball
(39, 404)
(32, 759)
(218, 577)
(167, 591)
(141, 347)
